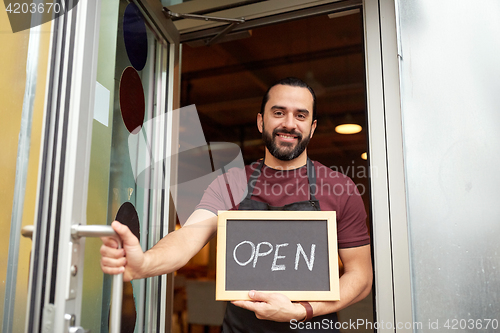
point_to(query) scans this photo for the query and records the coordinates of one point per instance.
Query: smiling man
(290, 111)
(285, 179)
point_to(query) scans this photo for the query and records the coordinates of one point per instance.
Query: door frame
(390, 245)
(61, 170)
(388, 190)
(63, 180)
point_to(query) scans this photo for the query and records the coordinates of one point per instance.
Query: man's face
(287, 125)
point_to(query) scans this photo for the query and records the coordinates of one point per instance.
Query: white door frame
(390, 225)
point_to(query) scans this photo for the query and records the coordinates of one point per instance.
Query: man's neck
(277, 164)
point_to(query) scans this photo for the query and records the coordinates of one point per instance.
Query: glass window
(450, 83)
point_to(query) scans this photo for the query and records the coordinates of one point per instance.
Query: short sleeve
(352, 230)
(225, 192)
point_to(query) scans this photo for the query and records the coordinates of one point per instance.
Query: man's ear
(313, 128)
(260, 122)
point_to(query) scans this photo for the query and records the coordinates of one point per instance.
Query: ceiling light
(348, 129)
(348, 126)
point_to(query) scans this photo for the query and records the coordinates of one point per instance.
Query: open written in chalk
(293, 253)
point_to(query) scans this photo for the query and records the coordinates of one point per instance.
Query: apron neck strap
(311, 176)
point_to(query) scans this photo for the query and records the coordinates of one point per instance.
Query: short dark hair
(293, 82)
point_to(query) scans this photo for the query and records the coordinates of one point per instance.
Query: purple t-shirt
(334, 191)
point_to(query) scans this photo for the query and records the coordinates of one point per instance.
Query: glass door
(130, 98)
(123, 95)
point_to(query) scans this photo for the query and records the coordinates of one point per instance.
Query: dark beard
(284, 153)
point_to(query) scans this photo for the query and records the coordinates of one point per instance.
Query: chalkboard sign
(290, 252)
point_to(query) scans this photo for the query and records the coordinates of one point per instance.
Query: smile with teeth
(286, 136)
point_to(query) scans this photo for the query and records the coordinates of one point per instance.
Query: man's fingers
(113, 263)
(258, 301)
(112, 260)
(256, 297)
(111, 252)
(127, 237)
(259, 296)
(126, 260)
(109, 242)
(248, 305)
(112, 270)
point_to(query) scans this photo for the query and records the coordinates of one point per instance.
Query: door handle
(78, 231)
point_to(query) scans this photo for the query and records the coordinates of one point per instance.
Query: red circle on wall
(132, 103)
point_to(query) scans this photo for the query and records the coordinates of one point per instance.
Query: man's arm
(355, 284)
(171, 253)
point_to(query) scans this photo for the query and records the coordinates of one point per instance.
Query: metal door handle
(78, 231)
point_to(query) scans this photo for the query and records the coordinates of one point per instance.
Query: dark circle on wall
(132, 103)
(135, 37)
(128, 215)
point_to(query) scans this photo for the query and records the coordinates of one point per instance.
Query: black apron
(239, 320)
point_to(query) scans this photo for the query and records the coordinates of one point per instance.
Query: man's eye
(278, 113)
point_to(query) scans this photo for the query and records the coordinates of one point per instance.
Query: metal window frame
(390, 226)
(170, 102)
(273, 16)
(251, 12)
(162, 27)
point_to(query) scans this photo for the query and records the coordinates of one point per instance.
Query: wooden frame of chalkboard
(288, 252)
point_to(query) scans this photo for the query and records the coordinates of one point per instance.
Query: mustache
(285, 131)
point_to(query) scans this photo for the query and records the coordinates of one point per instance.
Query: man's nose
(289, 122)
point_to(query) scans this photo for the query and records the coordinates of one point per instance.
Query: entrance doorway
(69, 159)
(226, 82)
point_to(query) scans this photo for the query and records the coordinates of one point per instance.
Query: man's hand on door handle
(128, 260)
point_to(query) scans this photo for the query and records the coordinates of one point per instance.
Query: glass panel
(124, 100)
(22, 101)
(450, 82)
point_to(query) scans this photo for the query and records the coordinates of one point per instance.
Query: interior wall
(450, 82)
